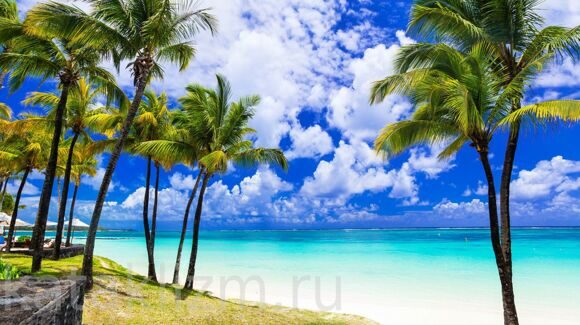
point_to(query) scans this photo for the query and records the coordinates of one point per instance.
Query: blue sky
(312, 63)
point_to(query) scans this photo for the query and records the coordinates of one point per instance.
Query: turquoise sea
(396, 276)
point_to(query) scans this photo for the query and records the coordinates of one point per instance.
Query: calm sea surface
(403, 276)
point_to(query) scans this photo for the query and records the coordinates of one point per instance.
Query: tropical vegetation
(486, 56)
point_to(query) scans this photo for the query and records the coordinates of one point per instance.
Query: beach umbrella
(4, 217)
(22, 223)
(76, 223)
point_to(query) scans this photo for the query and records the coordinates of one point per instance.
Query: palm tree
(41, 53)
(84, 163)
(511, 30)
(152, 123)
(23, 153)
(211, 127)
(5, 116)
(9, 27)
(460, 97)
(142, 31)
(81, 115)
(177, 146)
(220, 127)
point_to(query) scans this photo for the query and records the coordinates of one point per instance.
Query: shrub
(23, 239)
(8, 272)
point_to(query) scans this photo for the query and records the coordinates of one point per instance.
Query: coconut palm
(212, 127)
(152, 123)
(512, 31)
(10, 26)
(42, 53)
(23, 154)
(460, 97)
(144, 32)
(185, 151)
(220, 127)
(84, 163)
(82, 114)
(5, 116)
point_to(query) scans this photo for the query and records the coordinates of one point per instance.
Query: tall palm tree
(212, 127)
(5, 117)
(460, 97)
(145, 32)
(9, 27)
(151, 123)
(84, 163)
(41, 53)
(220, 127)
(24, 153)
(177, 146)
(82, 114)
(512, 30)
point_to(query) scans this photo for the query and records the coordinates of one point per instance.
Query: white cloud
(547, 178)
(355, 169)
(428, 162)
(29, 188)
(180, 182)
(560, 12)
(459, 210)
(349, 108)
(252, 197)
(312, 142)
(560, 74)
(95, 181)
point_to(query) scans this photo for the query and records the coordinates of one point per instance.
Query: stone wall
(43, 300)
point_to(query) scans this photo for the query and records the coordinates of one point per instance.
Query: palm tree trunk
(63, 198)
(194, 245)
(71, 215)
(141, 83)
(506, 240)
(184, 229)
(151, 271)
(154, 216)
(509, 307)
(6, 180)
(37, 241)
(15, 212)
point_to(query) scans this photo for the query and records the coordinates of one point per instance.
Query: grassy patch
(123, 297)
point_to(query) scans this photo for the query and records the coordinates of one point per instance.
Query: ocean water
(398, 276)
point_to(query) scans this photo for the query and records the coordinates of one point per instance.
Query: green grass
(123, 297)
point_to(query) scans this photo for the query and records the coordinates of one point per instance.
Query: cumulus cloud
(312, 142)
(349, 108)
(29, 188)
(355, 169)
(454, 210)
(548, 177)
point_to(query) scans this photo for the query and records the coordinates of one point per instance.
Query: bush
(23, 239)
(8, 272)
(8, 204)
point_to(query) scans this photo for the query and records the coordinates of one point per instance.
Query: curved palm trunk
(154, 213)
(141, 82)
(71, 216)
(194, 245)
(37, 242)
(6, 180)
(63, 198)
(151, 271)
(15, 212)
(184, 230)
(509, 307)
(506, 240)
